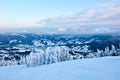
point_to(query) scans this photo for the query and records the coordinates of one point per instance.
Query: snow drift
(106, 68)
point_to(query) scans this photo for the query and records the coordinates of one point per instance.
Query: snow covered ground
(107, 68)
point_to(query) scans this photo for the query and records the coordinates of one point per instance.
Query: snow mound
(106, 68)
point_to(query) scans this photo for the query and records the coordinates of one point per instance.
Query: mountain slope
(106, 68)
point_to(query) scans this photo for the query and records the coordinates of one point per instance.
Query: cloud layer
(104, 18)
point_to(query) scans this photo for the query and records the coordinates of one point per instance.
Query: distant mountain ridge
(15, 48)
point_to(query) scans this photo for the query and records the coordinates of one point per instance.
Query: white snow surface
(13, 41)
(107, 68)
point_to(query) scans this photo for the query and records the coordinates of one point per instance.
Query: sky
(60, 16)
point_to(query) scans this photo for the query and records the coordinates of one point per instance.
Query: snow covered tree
(113, 51)
(107, 51)
(36, 58)
(99, 53)
(91, 55)
(49, 56)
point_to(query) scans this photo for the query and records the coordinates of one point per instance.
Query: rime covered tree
(107, 51)
(48, 56)
(113, 51)
(99, 53)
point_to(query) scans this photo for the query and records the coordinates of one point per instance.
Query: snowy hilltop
(106, 68)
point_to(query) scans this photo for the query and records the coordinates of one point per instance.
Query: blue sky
(65, 16)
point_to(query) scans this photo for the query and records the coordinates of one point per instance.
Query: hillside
(41, 49)
(106, 68)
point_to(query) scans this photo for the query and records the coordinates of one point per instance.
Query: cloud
(61, 29)
(107, 15)
(102, 29)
